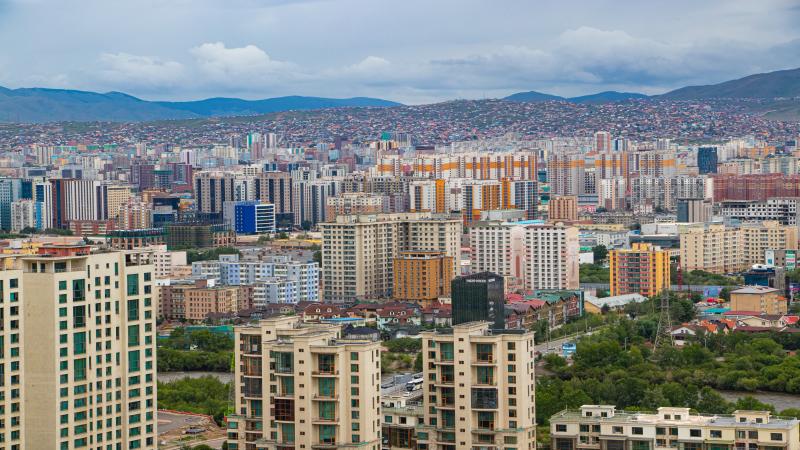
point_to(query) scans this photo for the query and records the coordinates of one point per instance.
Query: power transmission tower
(664, 334)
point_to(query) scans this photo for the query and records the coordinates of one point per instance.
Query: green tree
(600, 253)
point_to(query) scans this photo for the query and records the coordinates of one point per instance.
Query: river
(778, 400)
(166, 377)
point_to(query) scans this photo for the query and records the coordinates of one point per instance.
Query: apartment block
(530, 254)
(767, 235)
(759, 299)
(563, 208)
(89, 355)
(479, 389)
(195, 300)
(422, 277)
(784, 210)
(12, 338)
(605, 427)
(301, 386)
(713, 248)
(358, 251)
(353, 203)
(643, 269)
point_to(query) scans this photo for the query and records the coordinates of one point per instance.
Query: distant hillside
(600, 97)
(606, 97)
(213, 107)
(532, 96)
(50, 105)
(57, 105)
(782, 83)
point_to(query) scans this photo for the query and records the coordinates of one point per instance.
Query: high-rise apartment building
(480, 389)
(707, 160)
(721, 249)
(89, 354)
(601, 141)
(422, 276)
(693, 210)
(767, 235)
(12, 382)
(529, 254)
(566, 173)
(603, 426)
(358, 251)
(353, 203)
(302, 386)
(713, 248)
(643, 269)
(479, 297)
(563, 208)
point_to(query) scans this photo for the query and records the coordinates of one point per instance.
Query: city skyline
(408, 52)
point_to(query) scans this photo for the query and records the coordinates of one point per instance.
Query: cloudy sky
(412, 51)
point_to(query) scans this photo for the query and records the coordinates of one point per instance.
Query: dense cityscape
(352, 225)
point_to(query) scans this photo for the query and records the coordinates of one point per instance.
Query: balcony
(484, 360)
(325, 443)
(330, 372)
(325, 420)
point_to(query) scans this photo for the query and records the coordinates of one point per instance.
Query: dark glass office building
(479, 297)
(707, 160)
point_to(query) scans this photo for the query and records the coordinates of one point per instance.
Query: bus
(414, 384)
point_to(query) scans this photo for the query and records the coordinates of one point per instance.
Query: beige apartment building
(89, 359)
(12, 389)
(301, 386)
(767, 235)
(358, 251)
(353, 203)
(713, 248)
(604, 427)
(479, 389)
(759, 299)
(529, 254)
(720, 249)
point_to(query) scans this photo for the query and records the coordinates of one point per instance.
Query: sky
(411, 51)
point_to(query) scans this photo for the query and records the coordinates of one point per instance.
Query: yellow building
(479, 389)
(643, 269)
(301, 386)
(762, 299)
(422, 276)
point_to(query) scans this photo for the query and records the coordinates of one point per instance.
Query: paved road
(395, 383)
(554, 346)
(213, 443)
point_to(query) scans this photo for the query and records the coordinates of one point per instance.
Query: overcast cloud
(412, 51)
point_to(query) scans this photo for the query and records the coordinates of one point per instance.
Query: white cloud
(140, 71)
(222, 62)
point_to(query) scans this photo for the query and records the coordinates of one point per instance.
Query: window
(776, 436)
(716, 434)
(133, 284)
(637, 430)
(561, 428)
(661, 431)
(584, 428)
(752, 434)
(616, 430)
(694, 432)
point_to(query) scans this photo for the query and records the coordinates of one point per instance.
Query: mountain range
(55, 105)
